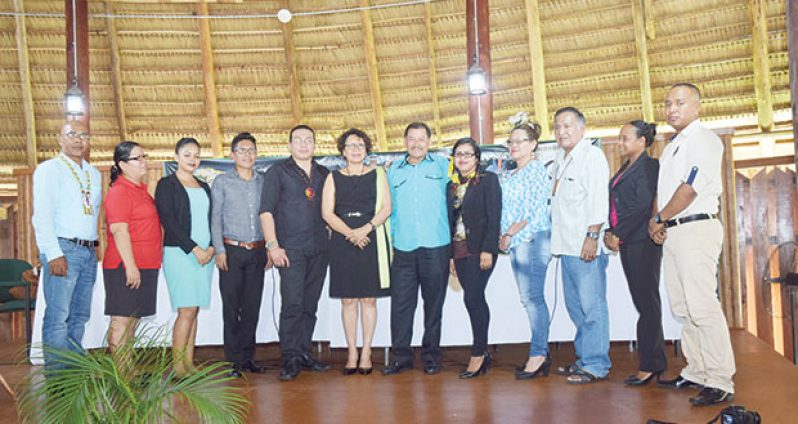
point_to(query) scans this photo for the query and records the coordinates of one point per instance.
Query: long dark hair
(121, 154)
(477, 155)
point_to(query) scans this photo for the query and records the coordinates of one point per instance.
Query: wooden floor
(765, 382)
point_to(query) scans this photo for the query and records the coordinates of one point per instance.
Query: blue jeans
(68, 301)
(585, 287)
(530, 261)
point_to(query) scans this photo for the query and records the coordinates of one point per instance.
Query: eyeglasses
(517, 142)
(141, 157)
(464, 155)
(246, 151)
(74, 134)
(355, 146)
(306, 141)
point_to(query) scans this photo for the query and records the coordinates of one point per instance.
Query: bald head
(74, 140)
(682, 105)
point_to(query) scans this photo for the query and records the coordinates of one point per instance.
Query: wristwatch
(657, 219)
(271, 244)
(593, 234)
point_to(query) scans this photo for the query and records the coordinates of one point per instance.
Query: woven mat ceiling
(589, 55)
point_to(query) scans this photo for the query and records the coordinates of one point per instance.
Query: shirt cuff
(53, 253)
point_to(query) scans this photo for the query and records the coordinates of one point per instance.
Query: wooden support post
(209, 81)
(433, 75)
(374, 77)
(648, 10)
(638, 14)
(116, 73)
(81, 18)
(792, 44)
(24, 80)
(293, 69)
(538, 71)
(480, 108)
(762, 86)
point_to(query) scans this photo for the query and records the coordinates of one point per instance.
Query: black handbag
(736, 415)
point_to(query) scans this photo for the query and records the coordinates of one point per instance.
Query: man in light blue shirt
(420, 230)
(66, 204)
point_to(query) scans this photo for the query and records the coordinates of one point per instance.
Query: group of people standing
(394, 234)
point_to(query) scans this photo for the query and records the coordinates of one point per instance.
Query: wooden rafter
(374, 77)
(762, 86)
(209, 81)
(116, 73)
(24, 78)
(433, 75)
(648, 11)
(640, 24)
(293, 69)
(538, 70)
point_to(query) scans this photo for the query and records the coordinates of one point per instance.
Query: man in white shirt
(690, 184)
(579, 205)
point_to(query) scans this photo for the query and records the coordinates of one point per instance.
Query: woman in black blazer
(632, 195)
(474, 198)
(184, 205)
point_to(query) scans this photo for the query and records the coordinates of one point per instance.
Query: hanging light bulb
(477, 82)
(73, 100)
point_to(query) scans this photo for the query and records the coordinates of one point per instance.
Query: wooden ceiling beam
(209, 82)
(762, 85)
(641, 43)
(538, 68)
(116, 72)
(433, 75)
(374, 77)
(25, 84)
(292, 68)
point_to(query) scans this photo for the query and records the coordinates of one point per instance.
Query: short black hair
(243, 136)
(300, 127)
(471, 142)
(121, 154)
(570, 109)
(356, 132)
(418, 125)
(184, 141)
(691, 86)
(645, 129)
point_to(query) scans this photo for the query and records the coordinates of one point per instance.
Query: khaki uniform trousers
(690, 261)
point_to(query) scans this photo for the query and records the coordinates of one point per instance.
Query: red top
(132, 204)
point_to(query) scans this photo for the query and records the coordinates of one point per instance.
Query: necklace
(85, 192)
(310, 193)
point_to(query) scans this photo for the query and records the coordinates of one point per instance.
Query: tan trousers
(690, 261)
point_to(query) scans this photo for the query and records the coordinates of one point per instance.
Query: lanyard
(85, 192)
(558, 174)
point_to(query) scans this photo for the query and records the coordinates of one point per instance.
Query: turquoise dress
(190, 283)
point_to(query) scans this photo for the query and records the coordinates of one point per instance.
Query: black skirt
(122, 301)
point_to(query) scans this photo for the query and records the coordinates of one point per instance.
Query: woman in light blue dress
(183, 204)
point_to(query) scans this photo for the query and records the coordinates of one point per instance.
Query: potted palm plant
(141, 387)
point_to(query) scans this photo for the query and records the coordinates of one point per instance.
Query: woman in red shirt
(133, 256)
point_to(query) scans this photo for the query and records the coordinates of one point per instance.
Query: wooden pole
(24, 79)
(480, 108)
(293, 70)
(538, 70)
(762, 86)
(433, 75)
(792, 44)
(374, 77)
(81, 29)
(209, 81)
(116, 73)
(638, 14)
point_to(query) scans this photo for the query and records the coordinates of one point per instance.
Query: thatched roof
(589, 54)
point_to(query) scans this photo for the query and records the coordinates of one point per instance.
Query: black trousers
(241, 287)
(300, 289)
(641, 265)
(428, 269)
(474, 281)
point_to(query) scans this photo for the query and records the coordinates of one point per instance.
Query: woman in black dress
(356, 203)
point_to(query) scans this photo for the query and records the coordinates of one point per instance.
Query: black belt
(689, 218)
(79, 242)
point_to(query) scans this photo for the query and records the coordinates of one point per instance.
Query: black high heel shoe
(349, 371)
(633, 380)
(483, 369)
(544, 368)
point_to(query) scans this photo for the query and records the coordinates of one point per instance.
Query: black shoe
(544, 368)
(308, 362)
(291, 369)
(235, 372)
(567, 370)
(711, 396)
(251, 366)
(396, 368)
(679, 383)
(483, 369)
(350, 371)
(432, 369)
(364, 371)
(633, 380)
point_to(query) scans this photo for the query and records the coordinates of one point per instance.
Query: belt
(79, 242)
(249, 246)
(689, 218)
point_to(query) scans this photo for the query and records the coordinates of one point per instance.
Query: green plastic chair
(11, 276)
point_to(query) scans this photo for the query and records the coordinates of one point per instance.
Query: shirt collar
(427, 157)
(124, 181)
(255, 174)
(81, 165)
(576, 150)
(689, 129)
